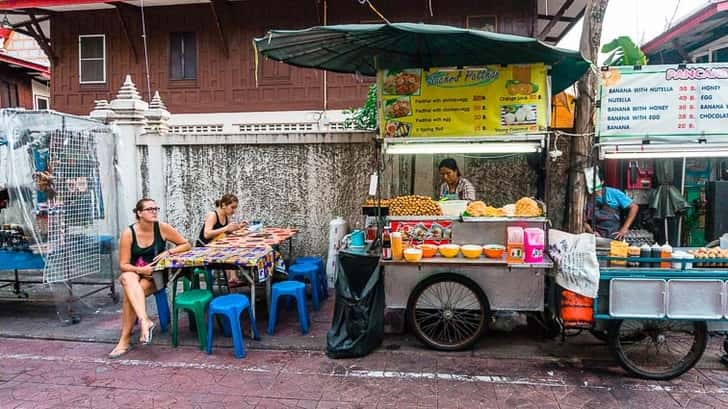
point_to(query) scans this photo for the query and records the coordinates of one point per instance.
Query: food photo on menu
(404, 82)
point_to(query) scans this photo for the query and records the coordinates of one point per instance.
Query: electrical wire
(374, 9)
(146, 54)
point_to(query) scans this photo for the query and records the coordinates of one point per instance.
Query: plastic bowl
(494, 250)
(413, 255)
(471, 251)
(428, 250)
(449, 250)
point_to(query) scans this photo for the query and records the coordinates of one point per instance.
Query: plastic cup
(397, 245)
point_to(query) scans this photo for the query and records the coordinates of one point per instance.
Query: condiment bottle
(633, 252)
(386, 245)
(665, 253)
(645, 252)
(656, 253)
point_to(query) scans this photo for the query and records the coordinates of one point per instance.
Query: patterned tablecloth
(268, 236)
(261, 258)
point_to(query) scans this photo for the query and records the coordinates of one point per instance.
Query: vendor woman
(454, 185)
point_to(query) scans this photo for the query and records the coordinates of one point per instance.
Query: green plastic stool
(195, 301)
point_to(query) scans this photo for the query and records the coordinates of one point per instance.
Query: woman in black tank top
(140, 247)
(218, 222)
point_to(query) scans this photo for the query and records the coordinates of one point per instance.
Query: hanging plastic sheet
(58, 173)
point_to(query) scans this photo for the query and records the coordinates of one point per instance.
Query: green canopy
(366, 48)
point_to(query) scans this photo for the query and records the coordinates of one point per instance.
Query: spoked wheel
(658, 349)
(448, 312)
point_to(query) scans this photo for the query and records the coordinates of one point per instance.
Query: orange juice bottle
(515, 245)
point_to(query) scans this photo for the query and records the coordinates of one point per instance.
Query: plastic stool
(231, 306)
(195, 302)
(319, 262)
(294, 289)
(162, 309)
(309, 271)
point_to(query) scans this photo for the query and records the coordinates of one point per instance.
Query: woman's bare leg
(135, 292)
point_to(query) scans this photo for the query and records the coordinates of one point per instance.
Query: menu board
(478, 101)
(664, 100)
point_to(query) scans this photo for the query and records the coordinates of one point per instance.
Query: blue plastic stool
(231, 306)
(309, 271)
(162, 309)
(294, 289)
(318, 262)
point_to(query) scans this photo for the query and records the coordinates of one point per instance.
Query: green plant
(624, 52)
(366, 116)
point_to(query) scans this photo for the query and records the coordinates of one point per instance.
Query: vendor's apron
(451, 196)
(607, 220)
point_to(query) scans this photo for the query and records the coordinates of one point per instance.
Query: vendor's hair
(450, 164)
(226, 200)
(140, 206)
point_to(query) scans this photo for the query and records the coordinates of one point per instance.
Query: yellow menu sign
(490, 100)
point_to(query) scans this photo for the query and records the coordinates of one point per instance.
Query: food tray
(637, 298)
(695, 299)
(420, 218)
(539, 219)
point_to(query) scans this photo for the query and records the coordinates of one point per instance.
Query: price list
(664, 101)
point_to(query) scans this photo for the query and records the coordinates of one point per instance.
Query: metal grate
(73, 231)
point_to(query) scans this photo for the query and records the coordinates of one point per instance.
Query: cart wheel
(600, 334)
(657, 349)
(448, 312)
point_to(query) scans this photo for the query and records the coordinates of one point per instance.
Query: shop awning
(366, 48)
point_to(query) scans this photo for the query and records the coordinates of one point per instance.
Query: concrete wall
(301, 185)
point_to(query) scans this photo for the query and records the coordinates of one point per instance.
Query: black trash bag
(358, 324)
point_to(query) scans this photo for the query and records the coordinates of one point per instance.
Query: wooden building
(200, 56)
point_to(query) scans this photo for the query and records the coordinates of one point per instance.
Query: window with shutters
(92, 59)
(182, 56)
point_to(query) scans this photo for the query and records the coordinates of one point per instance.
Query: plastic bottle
(665, 253)
(656, 253)
(386, 245)
(633, 252)
(645, 252)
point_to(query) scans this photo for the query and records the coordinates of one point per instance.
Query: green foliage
(366, 116)
(624, 52)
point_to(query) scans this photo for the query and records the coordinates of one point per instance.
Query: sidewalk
(100, 323)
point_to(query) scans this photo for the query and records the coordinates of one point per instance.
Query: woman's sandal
(120, 352)
(150, 334)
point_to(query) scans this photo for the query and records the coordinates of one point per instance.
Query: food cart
(657, 311)
(488, 108)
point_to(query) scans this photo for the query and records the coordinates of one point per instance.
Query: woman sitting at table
(218, 222)
(141, 245)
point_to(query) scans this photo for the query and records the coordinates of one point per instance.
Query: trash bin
(358, 324)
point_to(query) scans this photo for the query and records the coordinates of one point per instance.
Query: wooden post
(581, 146)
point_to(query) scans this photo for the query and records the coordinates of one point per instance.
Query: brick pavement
(63, 374)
